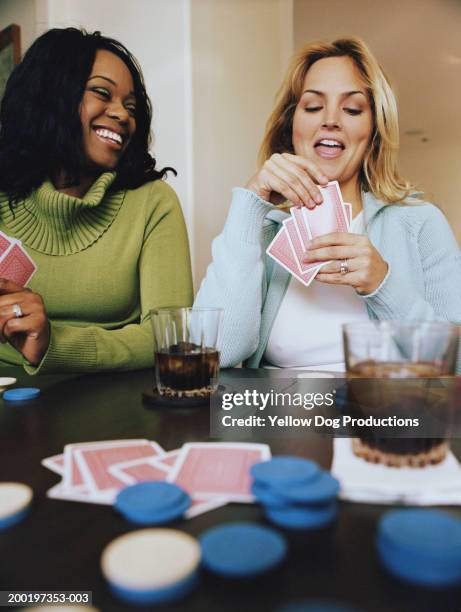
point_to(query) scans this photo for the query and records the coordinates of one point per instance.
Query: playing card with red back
(16, 265)
(5, 243)
(329, 216)
(210, 469)
(280, 250)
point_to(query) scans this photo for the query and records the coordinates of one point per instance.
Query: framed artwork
(10, 53)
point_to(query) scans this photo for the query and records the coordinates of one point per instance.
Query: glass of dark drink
(186, 351)
(401, 390)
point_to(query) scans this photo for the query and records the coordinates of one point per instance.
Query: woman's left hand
(363, 267)
(23, 321)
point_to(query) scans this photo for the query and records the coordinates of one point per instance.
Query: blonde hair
(379, 173)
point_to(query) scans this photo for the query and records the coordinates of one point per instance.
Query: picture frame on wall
(10, 53)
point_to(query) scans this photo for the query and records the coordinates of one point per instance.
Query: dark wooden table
(58, 547)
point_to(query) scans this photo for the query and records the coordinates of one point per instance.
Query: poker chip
(268, 496)
(151, 566)
(283, 469)
(241, 550)
(320, 490)
(21, 394)
(152, 503)
(302, 517)
(6, 381)
(15, 502)
(421, 546)
(295, 492)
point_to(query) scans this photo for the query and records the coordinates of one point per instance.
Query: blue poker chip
(303, 518)
(284, 469)
(242, 550)
(21, 394)
(320, 490)
(421, 546)
(152, 503)
(267, 496)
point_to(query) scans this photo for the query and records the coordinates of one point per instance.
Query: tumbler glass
(186, 350)
(402, 370)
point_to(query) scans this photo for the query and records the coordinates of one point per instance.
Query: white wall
(436, 170)
(240, 49)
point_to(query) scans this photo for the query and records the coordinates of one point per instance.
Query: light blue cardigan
(423, 281)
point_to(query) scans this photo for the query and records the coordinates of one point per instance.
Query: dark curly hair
(40, 127)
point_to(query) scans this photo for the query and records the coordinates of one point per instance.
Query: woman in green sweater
(79, 189)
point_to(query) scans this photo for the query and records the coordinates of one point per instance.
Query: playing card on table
(139, 470)
(215, 469)
(16, 265)
(55, 464)
(280, 250)
(86, 466)
(78, 495)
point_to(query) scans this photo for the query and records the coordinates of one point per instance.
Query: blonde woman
(335, 118)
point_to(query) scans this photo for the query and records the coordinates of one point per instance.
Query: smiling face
(333, 121)
(107, 112)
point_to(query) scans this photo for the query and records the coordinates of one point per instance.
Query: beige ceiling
(418, 43)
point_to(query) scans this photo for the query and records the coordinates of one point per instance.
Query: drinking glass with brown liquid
(402, 371)
(186, 351)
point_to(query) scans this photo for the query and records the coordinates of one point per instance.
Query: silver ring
(17, 310)
(343, 266)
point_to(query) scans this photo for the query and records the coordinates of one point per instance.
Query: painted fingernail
(318, 198)
(312, 204)
(324, 179)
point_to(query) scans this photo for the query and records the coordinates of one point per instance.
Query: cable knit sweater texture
(423, 281)
(103, 262)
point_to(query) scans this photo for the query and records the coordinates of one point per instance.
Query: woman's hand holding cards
(288, 177)
(23, 321)
(364, 269)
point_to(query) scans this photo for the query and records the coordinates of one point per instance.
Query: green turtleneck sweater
(103, 262)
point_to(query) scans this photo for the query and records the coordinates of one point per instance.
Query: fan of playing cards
(15, 263)
(291, 243)
(213, 473)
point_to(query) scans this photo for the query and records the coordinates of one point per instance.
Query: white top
(307, 328)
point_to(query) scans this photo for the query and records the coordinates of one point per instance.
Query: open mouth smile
(109, 137)
(329, 148)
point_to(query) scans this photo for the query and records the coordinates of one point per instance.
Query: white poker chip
(150, 559)
(15, 497)
(6, 381)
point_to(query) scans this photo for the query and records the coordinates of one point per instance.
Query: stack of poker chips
(295, 492)
(421, 546)
(152, 503)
